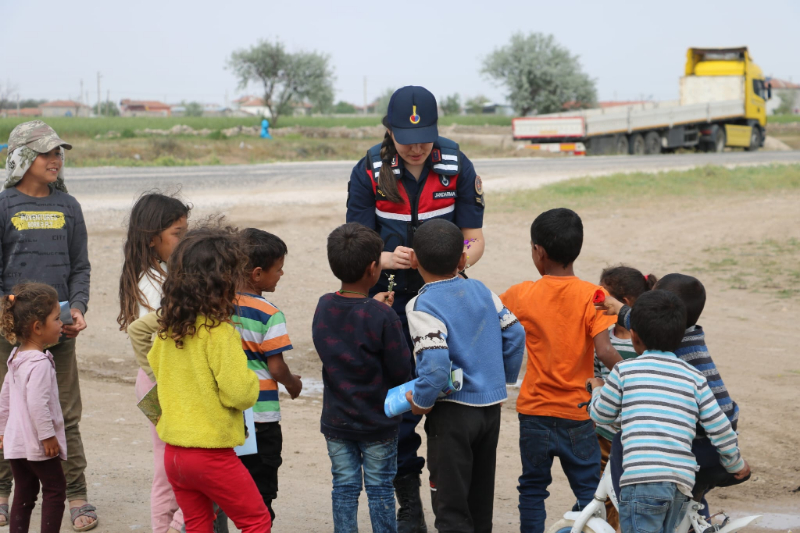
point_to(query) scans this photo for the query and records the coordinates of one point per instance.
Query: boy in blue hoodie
(459, 323)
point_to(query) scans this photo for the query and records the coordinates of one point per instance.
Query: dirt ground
(752, 336)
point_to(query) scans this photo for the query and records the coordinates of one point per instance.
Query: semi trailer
(722, 103)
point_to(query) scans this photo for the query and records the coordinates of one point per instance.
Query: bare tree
(7, 91)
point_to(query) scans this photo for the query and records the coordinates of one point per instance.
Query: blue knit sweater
(461, 322)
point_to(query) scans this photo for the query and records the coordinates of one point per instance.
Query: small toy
(599, 297)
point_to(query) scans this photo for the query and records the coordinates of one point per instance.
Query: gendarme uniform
(448, 188)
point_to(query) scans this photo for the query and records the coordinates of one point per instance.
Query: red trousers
(201, 476)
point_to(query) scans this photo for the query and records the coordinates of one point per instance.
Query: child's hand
(414, 409)
(385, 297)
(294, 387)
(610, 305)
(78, 324)
(594, 383)
(50, 446)
(744, 472)
(1, 442)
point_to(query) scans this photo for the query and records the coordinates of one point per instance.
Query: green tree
(541, 75)
(382, 103)
(192, 109)
(344, 108)
(788, 97)
(451, 104)
(475, 104)
(107, 109)
(285, 76)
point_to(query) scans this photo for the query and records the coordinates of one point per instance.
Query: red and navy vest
(435, 198)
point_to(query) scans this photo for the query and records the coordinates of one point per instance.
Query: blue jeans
(651, 507)
(541, 438)
(379, 463)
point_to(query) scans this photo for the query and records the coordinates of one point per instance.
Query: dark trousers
(69, 395)
(462, 449)
(541, 438)
(263, 466)
(27, 476)
(408, 442)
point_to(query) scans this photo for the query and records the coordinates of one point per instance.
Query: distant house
(370, 109)
(65, 108)
(300, 109)
(783, 89)
(24, 112)
(252, 105)
(144, 108)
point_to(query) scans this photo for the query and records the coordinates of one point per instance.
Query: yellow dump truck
(723, 99)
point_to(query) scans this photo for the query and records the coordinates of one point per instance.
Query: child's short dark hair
(27, 303)
(560, 232)
(262, 248)
(438, 245)
(626, 282)
(352, 248)
(659, 319)
(689, 290)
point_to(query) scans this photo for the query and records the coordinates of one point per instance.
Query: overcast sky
(176, 50)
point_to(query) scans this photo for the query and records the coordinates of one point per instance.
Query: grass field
(70, 127)
(782, 119)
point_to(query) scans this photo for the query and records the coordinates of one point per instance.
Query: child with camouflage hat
(44, 239)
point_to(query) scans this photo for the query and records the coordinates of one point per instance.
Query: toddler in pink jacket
(31, 423)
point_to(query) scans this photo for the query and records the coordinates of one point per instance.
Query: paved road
(497, 173)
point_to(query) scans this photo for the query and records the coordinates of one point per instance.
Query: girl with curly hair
(204, 384)
(31, 424)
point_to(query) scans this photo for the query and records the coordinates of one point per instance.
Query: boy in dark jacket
(364, 353)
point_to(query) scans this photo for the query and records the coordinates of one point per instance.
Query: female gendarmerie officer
(412, 177)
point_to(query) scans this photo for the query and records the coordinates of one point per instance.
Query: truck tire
(720, 141)
(652, 143)
(622, 145)
(636, 143)
(755, 140)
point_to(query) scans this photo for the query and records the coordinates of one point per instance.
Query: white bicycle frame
(593, 516)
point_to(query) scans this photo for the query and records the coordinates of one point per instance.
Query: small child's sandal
(4, 514)
(87, 510)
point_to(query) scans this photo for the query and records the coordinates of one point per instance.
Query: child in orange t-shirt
(563, 333)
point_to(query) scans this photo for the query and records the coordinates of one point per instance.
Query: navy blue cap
(413, 114)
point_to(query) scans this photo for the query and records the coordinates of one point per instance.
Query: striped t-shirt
(263, 330)
(626, 351)
(660, 399)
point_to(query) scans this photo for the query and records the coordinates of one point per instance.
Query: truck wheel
(622, 145)
(719, 143)
(637, 146)
(652, 143)
(755, 140)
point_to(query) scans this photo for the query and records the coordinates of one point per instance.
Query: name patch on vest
(444, 194)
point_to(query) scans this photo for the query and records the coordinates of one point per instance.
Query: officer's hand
(400, 259)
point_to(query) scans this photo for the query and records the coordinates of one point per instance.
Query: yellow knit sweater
(203, 388)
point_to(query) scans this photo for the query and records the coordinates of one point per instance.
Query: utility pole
(17, 103)
(82, 100)
(99, 97)
(365, 95)
(108, 102)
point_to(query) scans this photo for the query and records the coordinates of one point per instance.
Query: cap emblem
(414, 118)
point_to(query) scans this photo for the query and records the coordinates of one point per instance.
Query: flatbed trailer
(723, 103)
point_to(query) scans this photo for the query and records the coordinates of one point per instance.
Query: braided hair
(386, 178)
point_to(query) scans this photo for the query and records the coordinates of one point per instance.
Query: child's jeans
(379, 463)
(651, 507)
(164, 512)
(27, 476)
(541, 438)
(200, 476)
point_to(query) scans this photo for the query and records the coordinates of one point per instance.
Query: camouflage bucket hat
(37, 136)
(25, 143)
